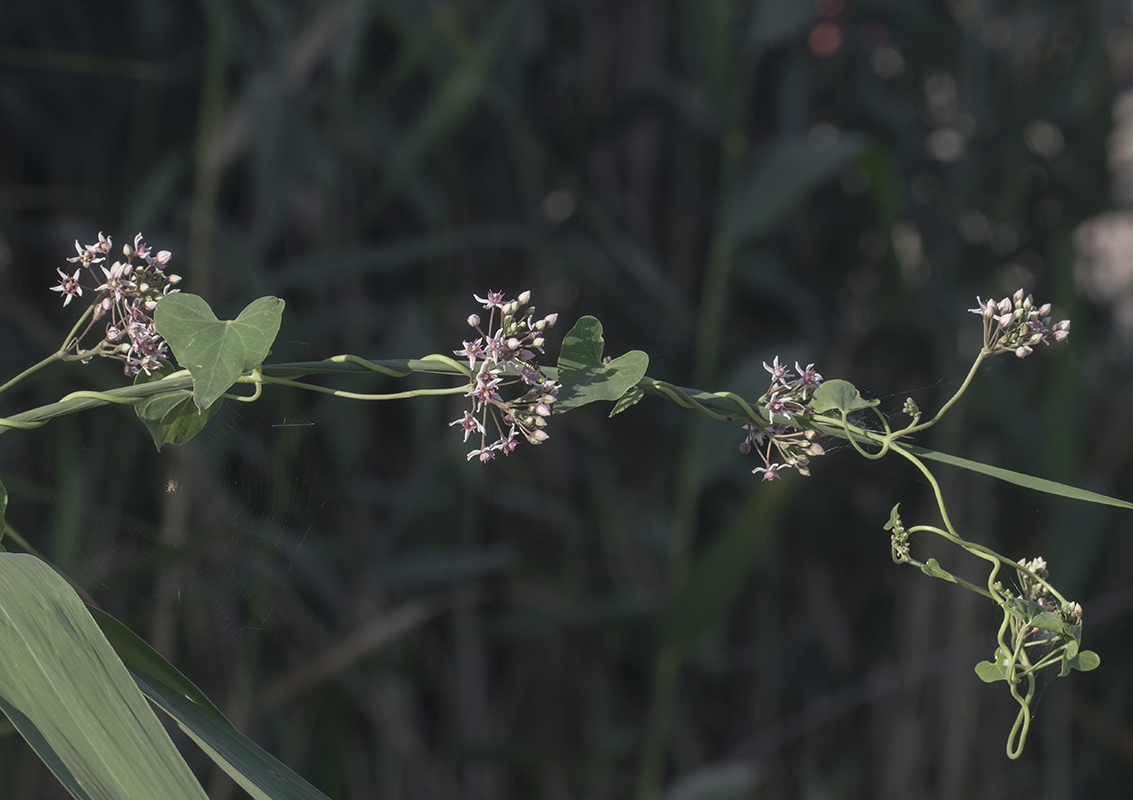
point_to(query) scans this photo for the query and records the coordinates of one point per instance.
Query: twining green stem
(463, 389)
(984, 353)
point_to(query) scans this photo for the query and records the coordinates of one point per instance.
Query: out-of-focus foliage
(718, 183)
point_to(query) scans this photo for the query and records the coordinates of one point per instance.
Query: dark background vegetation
(719, 182)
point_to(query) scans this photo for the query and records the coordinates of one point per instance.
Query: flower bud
(143, 287)
(551, 319)
(512, 343)
(1044, 310)
(473, 320)
(745, 447)
(537, 342)
(816, 449)
(174, 279)
(537, 436)
(150, 305)
(162, 258)
(542, 409)
(1018, 297)
(127, 250)
(523, 299)
(1005, 306)
(1023, 352)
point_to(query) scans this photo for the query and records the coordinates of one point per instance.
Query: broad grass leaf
(216, 352)
(1018, 478)
(584, 377)
(257, 772)
(69, 696)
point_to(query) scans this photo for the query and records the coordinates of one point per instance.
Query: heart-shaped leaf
(839, 395)
(584, 376)
(216, 352)
(1082, 660)
(171, 417)
(991, 671)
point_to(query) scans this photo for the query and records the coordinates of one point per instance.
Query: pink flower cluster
(1016, 324)
(128, 292)
(505, 357)
(789, 395)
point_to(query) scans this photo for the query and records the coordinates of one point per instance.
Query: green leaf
(69, 696)
(991, 671)
(837, 395)
(1048, 621)
(630, 398)
(257, 772)
(216, 352)
(1018, 478)
(1085, 661)
(894, 522)
(172, 417)
(583, 375)
(931, 567)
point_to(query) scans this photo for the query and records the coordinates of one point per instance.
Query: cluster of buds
(128, 292)
(1015, 324)
(789, 395)
(1036, 591)
(503, 357)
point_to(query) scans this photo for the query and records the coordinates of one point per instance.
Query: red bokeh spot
(825, 38)
(830, 8)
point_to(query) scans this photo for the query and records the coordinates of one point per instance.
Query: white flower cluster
(1016, 324)
(501, 358)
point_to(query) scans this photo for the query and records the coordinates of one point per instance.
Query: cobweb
(208, 530)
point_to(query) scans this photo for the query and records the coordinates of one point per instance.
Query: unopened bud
(1018, 297)
(174, 279)
(1023, 352)
(127, 250)
(150, 305)
(816, 449)
(143, 287)
(535, 437)
(162, 257)
(551, 319)
(1044, 310)
(542, 409)
(524, 298)
(810, 434)
(473, 320)
(512, 343)
(537, 342)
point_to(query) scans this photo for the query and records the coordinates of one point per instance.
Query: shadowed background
(625, 610)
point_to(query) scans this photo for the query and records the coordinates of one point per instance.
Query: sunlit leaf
(67, 693)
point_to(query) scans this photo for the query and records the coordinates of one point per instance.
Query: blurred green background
(624, 611)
